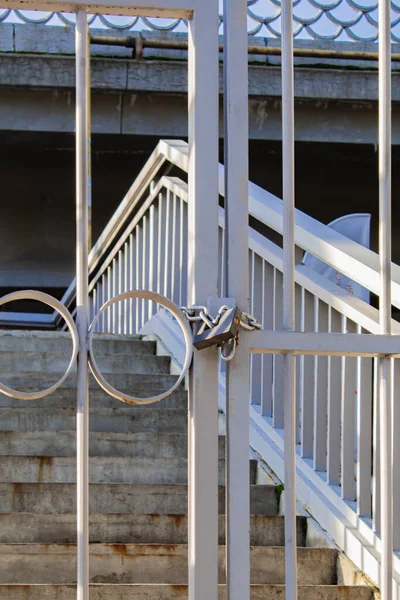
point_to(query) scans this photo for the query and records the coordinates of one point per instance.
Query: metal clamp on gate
(223, 329)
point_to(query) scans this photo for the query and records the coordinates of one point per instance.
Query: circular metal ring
(60, 308)
(184, 325)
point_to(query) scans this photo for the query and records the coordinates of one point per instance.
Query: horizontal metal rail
(324, 344)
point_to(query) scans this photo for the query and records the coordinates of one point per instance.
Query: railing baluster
(396, 451)
(334, 405)
(298, 294)
(167, 247)
(307, 379)
(132, 325)
(349, 375)
(114, 293)
(144, 268)
(320, 392)
(138, 273)
(182, 246)
(277, 389)
(376, 479)
(126, 287)
(109, 294)
(364, 435)
(152, 256)
(256, 310)
(268, 323)
(120, 316)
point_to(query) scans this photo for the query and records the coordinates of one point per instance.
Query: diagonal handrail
(341, 253)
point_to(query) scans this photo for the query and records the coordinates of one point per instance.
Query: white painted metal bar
(202, 283)
(277, 361)
(364, 435)
(396, 452)
(82, 299)
(320, 392)
(385, 300)
(376, 479)
(349, 382)
(237, 285)
(334, 406)
(307, 378)
(289, 379)
(324, 344)
(267, 321)
(132, 328)
(256, 299)
(175, 9)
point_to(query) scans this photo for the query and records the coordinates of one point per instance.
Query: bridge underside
(38, 181)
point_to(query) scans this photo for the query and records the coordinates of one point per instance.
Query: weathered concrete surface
(177, 592)
(121, 381)
(335, 100)
(127, 529)
(142, 563)
(66, 398)
(126, 498)
(103, 469)
(117, 420)
(52, 362)
(63, 443)
(58, 341)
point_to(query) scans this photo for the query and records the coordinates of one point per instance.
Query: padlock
(227, 329)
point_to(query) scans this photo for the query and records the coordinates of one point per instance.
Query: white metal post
(237, 285)
(289, 375)
(385, 243)
(202, 283)
(82, 298)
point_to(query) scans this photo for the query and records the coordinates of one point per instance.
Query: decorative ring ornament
(60, 308)
(182, 322)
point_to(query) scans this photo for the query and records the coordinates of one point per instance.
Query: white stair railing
(145, 247)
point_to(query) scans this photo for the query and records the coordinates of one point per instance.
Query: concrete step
(56, 341)
(139, 383)
(152, 563)
(51, 362)
(116, 420)
(128, 498)
(102, 469)
(25, 528)
(177, 592)
(63, 443)
(66, 398)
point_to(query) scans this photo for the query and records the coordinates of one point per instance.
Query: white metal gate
(203, 91)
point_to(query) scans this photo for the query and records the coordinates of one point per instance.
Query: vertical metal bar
(320, 392)
(237, 284)
(364, 435)
(267, 321)
(385, 301)
(202, 283)
(289, 379)
(307, 378)
(349, 376)
(376, 480)
(334, 406)
(277, 359)
(82, 298)
(396, 452)
(132, 326)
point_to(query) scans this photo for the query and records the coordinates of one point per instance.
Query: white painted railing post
(289, 376)
(237, 285)
(202, 283)
(385, 301)
(82, 298)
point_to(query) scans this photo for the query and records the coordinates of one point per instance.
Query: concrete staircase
(138, 492)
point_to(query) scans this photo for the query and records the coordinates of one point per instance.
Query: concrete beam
(166, 116)
(159, 76)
